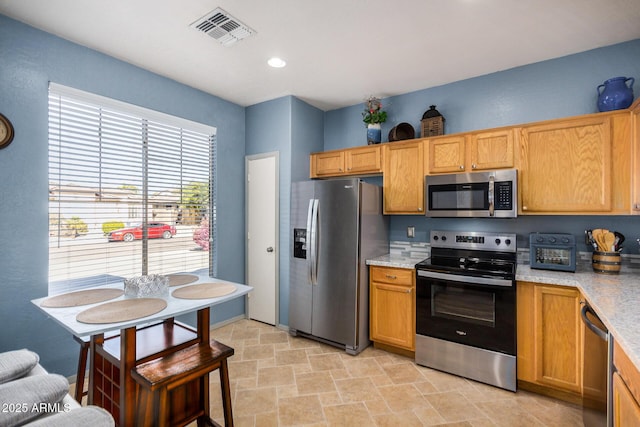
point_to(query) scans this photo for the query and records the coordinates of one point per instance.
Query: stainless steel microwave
(488, 194)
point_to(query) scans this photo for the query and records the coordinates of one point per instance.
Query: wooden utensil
(609, 238)
(597, 237)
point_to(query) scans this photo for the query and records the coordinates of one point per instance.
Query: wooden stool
(167, 386)
(82, 368)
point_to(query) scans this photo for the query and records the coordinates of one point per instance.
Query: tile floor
(280, 380)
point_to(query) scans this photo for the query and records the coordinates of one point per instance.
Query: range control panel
(484, 241)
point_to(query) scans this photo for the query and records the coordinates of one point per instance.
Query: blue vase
(616, 94)
(374, 133)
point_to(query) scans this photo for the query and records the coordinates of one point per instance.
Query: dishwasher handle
(596, 330)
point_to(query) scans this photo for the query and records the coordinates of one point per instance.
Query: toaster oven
(552, 251)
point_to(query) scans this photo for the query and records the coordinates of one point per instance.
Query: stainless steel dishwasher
(596, 370)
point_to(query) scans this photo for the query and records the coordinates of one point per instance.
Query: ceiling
(338, 52)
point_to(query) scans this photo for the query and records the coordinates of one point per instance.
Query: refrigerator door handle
(308, 242)
(314, 243)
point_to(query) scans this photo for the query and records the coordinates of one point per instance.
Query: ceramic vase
(616, 95)
(374, 133)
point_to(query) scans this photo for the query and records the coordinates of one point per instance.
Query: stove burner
(472, 254)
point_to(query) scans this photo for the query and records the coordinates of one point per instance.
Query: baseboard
(563, 395)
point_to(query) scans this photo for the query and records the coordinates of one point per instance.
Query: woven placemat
(181, 279)
(88, 296)
(205, 290)
(122, 311)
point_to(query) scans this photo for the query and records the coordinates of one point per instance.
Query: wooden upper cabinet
(492, 149)
(576, 166)
(403, 178)
(446, 154)
(635, 179)
(364, 160)
(470, 152)
(329, 163)
(351, 161)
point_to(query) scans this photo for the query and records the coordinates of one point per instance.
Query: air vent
(223, 27)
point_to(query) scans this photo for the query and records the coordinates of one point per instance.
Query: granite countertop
(615, 298)
(396, 260)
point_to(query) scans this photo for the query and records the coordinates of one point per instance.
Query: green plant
(76, 226)
(108, 227)
(373, 112)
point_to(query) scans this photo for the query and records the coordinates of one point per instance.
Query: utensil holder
(606, 262)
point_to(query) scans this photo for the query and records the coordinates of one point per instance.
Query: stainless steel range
(466, 306)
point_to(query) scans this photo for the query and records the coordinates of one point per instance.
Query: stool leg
(226, 394)
(82, 367)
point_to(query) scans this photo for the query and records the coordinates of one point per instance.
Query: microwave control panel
(503, 198)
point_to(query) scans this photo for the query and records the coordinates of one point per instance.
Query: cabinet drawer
(397, 276)
(627, 370)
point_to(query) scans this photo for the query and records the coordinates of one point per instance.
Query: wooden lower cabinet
(626, 390)
(550, 337)
(392, 314)
(626, 411)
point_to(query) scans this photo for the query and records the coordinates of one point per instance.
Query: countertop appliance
(466, 306)
(552, 251)
(336, 226)
(488, 194)
(597, 388)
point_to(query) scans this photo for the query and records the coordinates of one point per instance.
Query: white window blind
(131, 192)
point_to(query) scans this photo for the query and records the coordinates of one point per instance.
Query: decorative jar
(616, 94)
(151, 286)
(374, 133)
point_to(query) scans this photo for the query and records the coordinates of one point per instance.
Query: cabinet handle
(420, 209)
(473, 166)
(524, 208)
(461, 167)
(348, 169)
(636, 206)
(391, 276)
(339, 169)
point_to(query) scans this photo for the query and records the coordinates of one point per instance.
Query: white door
(262, 236)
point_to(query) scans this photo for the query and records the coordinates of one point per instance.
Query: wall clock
(6, 131)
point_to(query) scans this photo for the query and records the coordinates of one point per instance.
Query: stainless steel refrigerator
(336, 226)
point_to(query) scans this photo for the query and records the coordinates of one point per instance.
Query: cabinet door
(327, 164)
(626, 411)
(558, 337)
(491, 150)
(566, 166)
(364, 160)
(636, 159)
(392, 315)
(549, 336)
(403, 181)
(447, 154)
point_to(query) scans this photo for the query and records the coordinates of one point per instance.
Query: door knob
(270, 249)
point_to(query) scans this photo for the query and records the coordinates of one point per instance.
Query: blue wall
(546, 90)
(294, 129)
(30, 59)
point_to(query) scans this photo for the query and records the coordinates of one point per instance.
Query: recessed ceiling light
(276, 62)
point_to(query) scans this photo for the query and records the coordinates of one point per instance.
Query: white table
(112, 359)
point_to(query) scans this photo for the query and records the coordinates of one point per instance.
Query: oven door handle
(465, 279)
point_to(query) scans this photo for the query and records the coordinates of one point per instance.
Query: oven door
(474, 311)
